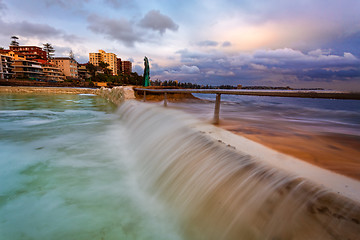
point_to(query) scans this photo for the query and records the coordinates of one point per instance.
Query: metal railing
(271, 93)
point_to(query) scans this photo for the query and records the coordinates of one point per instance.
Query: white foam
(337, 183)
(87, 94)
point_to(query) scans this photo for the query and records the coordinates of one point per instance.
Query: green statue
(146, 72)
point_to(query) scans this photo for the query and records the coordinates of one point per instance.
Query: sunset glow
(209, 36)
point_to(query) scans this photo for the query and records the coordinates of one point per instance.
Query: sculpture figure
(146, 72)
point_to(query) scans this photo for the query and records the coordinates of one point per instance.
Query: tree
(104, 66)
(48, 48)
(14, 41)
(91, 68)
(135, 79)
(71, 55)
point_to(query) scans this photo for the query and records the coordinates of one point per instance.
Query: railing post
(217, 108)
(165, 99)
(144, 96)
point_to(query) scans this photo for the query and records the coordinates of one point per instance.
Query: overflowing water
(220, 193)
(324, 132)
(75, 167)
(64, 173)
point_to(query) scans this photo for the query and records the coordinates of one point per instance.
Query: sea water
(65, 173)
(76, 167)
(313, 115)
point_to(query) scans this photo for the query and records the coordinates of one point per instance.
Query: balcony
(29, 71)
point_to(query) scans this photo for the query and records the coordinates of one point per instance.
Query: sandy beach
(335, 152)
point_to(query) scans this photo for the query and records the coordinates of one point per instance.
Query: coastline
(47, 90)
(280, 146)
(337, 206)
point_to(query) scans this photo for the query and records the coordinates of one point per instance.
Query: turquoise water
(77, 167)
(66, 173)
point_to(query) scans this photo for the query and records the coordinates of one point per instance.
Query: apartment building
(83, 72)
(102, 56)
(52, 73)
(126, 67)
(30, 52)
(28, 69)
(12, 54)
(68, 66)
(118, 64)
(6, 67)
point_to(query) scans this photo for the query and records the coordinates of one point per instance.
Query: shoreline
(333, 152)
(47, 90)
(338, 206)
(117, 95)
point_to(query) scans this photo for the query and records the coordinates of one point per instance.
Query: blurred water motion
(220, 193)
(74, 167)
(324, 132)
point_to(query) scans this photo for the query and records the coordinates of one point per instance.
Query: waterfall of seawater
(218, 192)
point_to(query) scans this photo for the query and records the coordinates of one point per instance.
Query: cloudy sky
(304, 43)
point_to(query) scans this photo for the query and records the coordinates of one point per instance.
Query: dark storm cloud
(121, 30)
(128, 32)
(28, 29)
(346, 43)
(329, 74)
(317, 65)
(289, 58)
(276, 67)
(156, 21)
